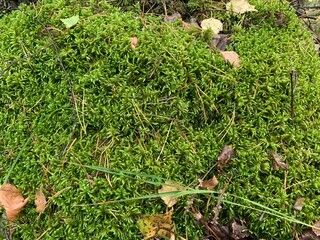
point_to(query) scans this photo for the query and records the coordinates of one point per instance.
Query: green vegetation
(165, 109)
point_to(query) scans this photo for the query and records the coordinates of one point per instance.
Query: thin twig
(12, 63)
(165, 141)
(294, 82)
(69, 82)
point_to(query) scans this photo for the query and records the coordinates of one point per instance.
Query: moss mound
(165, 109)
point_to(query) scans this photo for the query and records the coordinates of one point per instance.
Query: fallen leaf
(209, 184)
(134, 42)
(211, 23)
(240, 6)
(316, 230)
(170, 200)
(277, 161)
(225, 155)
(298, 204)
(71, 21)
(12, 201)
(40, 201)
(239, 230)
(231, 57)
(156, 225)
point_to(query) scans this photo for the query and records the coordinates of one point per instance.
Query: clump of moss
(165, 109)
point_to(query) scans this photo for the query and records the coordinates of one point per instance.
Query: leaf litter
(209, 184)
(211, 23)
(277, 161)
(40, 201)
(168, 187)
(240, 6)
(225, 155)
(12, 201)
(156, 225)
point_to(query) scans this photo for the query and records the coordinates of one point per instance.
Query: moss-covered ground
(165, 109)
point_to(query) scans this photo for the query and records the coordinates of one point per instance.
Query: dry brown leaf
(231, 57)
(298, 204)
(277, 161)
(156, 225)
(170, 200)
(40, 201)
(316, 230)
(240, 6)
(308, 235)
(209, 184)
(12, 201)
(225, 155)
(134, 42)
(239, 230)
(211, 23)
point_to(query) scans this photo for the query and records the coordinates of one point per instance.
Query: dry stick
(11, 64)
(216, 209)
(165, 142)
(294, 82)
(69, 82)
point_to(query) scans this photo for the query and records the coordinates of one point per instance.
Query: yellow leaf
(156, 225)
(12, 201)
(211, 23)
(170, 200)
(240, 6)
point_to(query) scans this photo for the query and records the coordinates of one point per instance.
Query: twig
(12, 63)
(165, 142)
(216, 209)
(69, 82)
(294, 82)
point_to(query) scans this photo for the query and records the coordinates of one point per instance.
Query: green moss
(172, 91)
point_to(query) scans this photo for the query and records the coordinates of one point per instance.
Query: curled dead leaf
(134, 42)
(277, 161)
(170, 199)
(209, 184)
(40, 201)
(225, 155)
(12, 201)
(231, 57)
(156, 225)
(240, 6)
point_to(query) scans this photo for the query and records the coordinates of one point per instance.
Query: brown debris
(277, 161)
(209, 184)
(225, 155)
(12, 201)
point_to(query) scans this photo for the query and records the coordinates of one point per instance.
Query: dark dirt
(9, 5)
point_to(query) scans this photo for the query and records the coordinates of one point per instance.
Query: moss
(173, 92)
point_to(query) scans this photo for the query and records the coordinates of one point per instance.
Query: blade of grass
(6, 179)
(189, 191)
